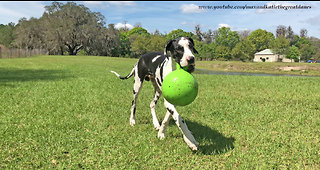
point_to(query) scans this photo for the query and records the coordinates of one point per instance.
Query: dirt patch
(288, 68)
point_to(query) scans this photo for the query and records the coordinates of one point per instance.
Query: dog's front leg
(187, 135)
(163, 126)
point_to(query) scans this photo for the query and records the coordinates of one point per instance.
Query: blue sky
(169, 15)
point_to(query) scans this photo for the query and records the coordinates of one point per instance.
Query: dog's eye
(180, 48)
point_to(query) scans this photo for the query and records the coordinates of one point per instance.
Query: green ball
(180, 88)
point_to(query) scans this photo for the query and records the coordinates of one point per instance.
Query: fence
(16, 53)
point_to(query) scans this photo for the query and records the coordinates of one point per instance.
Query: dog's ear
(168, 47)
(193, 49)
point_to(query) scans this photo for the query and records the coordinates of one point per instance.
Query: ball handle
(178, 67)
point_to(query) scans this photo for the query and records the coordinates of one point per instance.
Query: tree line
(72, 29)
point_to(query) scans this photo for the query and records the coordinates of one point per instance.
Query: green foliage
(293, 53)
(82, 52)
(307, 51)
(179, 33)
(243, 51)
(280, 45)
(262, 39)
(227, 38)
(124, 47)
(138, 31)
(223, 53)
(7, 34)
(139, 44)
(206, 51)
(157, 43)
(301, 41)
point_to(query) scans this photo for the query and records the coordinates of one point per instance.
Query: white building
(268, 56)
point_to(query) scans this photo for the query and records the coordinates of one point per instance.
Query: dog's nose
(190, 59)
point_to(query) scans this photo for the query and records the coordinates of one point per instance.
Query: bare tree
(281, 31)
(138, 24)
(303, 33)
(208, 36)
(244, 34)
(198, 32)
(290, 33)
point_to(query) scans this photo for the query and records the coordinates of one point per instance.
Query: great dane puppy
(154, 67)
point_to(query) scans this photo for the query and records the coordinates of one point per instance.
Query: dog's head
(182, 50)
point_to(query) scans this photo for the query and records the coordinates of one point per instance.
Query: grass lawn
(309, 69)
(71, 112)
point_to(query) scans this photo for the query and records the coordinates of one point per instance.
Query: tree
(307, 52)
(198, 33)
(30, 34)
(243, 51)
(301, 41)
(137, 30)
(262, 39)
(244, 34)
(280, 45)
(223, 53)
(139, 44)
(208, 36)
(157, 43)
(138, 24)
(281, 31)
(293, 53)
(7, 34)
(179, 33)
(315, 43)
(227, 38)
(303, 33)
(206, 50)
(69, 26)
(290, 33)
(156, 32)
(124, 49)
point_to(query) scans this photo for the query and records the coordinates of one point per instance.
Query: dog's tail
(126, 77)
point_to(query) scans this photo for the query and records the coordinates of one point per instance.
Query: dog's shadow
(211, 142)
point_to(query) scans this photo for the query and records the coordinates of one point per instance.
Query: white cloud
(275, 3)
(122, 3)
(121, 25)
(183, 23)
(104, 4)
(190, 8)
(93, 2)
(13, 11)
(315, 20)
(223, 25)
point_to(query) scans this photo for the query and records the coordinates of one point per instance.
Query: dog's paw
(192, 143)
(193, 148)
(157, 128)
(156, 124)
(132, 122)
(161, 136)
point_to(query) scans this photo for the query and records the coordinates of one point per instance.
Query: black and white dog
(154, 67)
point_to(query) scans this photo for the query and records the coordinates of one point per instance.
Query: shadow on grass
(7, 76)
(211, 142)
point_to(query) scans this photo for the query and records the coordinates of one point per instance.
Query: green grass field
(307, 69)
(71, 112)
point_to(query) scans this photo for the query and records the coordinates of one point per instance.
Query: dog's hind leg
(157, 94)
(136, 89)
